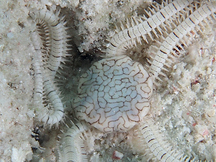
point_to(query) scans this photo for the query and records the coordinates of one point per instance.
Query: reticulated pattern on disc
(113, 94)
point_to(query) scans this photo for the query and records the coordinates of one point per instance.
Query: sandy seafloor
(184, 108)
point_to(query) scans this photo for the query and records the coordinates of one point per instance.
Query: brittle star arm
(50, 108)
(136, 29)
(72, 147)
(54, 33)
(166, 51)
(157, 146)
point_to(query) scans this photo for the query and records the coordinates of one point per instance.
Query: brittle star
(113, 95)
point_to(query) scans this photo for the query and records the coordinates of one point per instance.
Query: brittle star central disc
(113, 95)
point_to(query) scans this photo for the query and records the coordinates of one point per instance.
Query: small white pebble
(198, 138)
(74, 3)
(202, 130)
(117, 155)
(196, 87)
(210, 112)
(208, 70)
(31, 113)
(10, 35)
(18, 155)
(205, 97)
